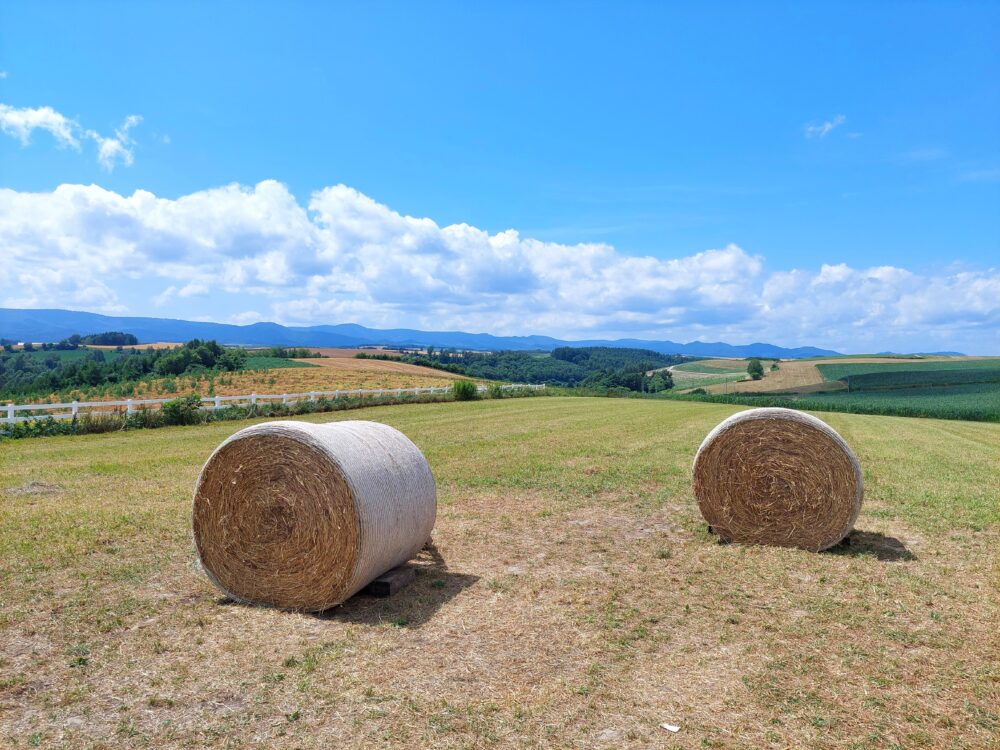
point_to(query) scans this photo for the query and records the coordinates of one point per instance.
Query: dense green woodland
(109, 338)
(35, 372)
(596, 367)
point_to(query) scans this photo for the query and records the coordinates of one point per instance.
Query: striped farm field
(932, 372)
(812, 375)
(717, 366)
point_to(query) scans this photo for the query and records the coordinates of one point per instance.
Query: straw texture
(302, 516)
(778, 477)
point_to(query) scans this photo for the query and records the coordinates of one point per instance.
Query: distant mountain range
(53, 325)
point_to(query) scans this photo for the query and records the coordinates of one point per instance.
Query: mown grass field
(572, 599)
(708, 372)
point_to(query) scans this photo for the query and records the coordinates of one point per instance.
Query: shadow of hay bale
(873, 544)
(411, 607)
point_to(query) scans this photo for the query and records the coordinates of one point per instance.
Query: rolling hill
(52, 325)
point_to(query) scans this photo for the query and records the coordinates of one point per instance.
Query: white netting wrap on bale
(779, 477)
(302, 516)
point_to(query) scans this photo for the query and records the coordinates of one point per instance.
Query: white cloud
(21, 122)
(245, 318)
(118, 148)
(3, 74)
(166, 296)
(246, 254)
(823, 129)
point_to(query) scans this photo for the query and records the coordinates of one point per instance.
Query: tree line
(108, 338)
(27, 373)
(597, 367)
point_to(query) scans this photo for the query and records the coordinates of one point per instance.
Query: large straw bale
(302, 516)
(778, 477)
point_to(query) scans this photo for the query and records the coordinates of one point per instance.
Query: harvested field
(312, 375)
(572, 598)
(380, 366)
(791, 376)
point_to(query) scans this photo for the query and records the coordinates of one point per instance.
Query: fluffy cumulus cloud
(21, 122)
(246, 254)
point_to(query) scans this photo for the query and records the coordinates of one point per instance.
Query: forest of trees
(598, 367)
(108, 338)
(32, 373)
(285, 352)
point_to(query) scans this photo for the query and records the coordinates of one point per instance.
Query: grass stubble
(572, 598)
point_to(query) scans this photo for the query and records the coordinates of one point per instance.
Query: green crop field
(979, 401)
(975, 402)
(572, 598)
(839, 371)
(690, 380)
(714, 366)
(922, 378)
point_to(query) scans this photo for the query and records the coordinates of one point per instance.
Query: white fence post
(253, 399)
(128, 406)
(76, 408)
(218, 403)
(10, 413)
(284, 398)
(312, 395)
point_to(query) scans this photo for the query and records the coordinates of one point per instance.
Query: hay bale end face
(778, 477)
(302, 516)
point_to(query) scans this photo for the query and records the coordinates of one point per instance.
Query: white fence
(210, 403)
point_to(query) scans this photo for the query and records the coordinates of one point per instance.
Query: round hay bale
(779, 477)
(302, 516)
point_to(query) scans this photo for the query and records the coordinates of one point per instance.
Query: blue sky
(705, 171)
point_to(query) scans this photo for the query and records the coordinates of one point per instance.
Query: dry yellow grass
(348, 366)
(327, 375)
(572, 599)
